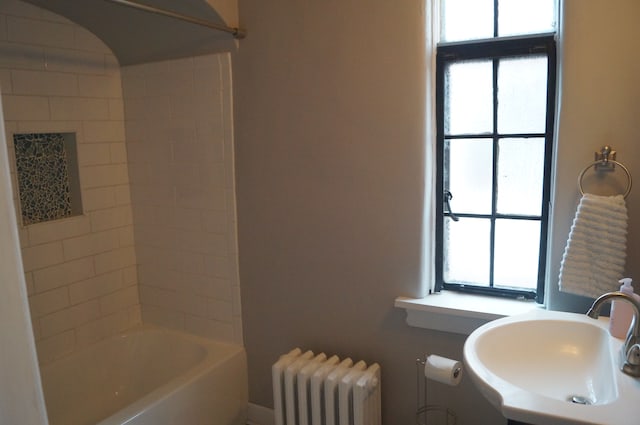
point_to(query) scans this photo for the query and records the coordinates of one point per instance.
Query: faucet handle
(633, 355)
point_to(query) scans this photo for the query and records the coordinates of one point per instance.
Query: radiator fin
(311, 389)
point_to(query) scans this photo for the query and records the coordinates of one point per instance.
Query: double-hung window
(495, 104)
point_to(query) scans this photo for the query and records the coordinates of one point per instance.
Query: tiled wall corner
(81, 277)
(180, 150)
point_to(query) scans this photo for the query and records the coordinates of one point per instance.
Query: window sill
(460, 313)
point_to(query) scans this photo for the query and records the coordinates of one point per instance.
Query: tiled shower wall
(180, 150)
(81, 276)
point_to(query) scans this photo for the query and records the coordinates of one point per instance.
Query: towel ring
(611, 161)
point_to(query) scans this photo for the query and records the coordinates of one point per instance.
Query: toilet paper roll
(442, 369)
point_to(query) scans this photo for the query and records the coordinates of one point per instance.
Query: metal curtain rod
(236, 32)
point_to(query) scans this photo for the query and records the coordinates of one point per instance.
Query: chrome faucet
(630, 353)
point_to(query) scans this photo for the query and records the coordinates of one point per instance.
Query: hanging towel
(594, 257)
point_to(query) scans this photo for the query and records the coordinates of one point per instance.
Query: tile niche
(47, 173)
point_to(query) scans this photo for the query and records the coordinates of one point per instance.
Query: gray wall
(329, 112)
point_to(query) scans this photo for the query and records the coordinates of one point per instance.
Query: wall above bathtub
(137, 36)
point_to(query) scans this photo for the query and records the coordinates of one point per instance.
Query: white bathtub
(149, 376)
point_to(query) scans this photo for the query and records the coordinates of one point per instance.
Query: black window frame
(494, 49)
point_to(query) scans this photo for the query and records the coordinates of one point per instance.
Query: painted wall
(329, 114)
(599, 105)
(80, 271)
(180, 150)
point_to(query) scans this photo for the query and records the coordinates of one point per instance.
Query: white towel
(594, 257)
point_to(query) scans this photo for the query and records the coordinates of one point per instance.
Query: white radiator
(312, 389)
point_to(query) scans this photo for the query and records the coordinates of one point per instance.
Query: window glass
(469, 97)
(522, 95)
(517, 246)
(466, 19)
(520, 176)
(467, 250)
(525, 17)
(468, 180)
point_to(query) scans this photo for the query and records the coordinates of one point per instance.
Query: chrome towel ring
(605, 159)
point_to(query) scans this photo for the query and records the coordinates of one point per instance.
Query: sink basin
(550, 368)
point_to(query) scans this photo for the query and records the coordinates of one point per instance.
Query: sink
(548, 368)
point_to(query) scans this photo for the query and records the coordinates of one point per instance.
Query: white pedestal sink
(552, 368)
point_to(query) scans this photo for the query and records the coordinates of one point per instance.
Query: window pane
(468, 97)
(522, 95)
(466, 20)
(469, 176)
(526, 17)
(517, 246)
(520, 176)
(466, 250)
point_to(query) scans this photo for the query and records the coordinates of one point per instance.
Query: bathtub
(148, 376)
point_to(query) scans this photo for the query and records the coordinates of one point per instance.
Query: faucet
(630, 353)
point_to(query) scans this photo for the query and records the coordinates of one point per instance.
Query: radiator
(313, 389)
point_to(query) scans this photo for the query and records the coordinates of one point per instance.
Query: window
(495, 98)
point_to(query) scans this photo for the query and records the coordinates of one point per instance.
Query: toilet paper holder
(422, 402)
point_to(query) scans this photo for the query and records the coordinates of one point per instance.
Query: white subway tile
(58, 229)
(69, 318)
(111, 65)
(209, 328)
(123, 194)
(39, 256)
(207, 61)
(48, 302)
(44, 83)
(115, 260)
(78, 108)
(102, 328)
(130, 275)
(104, 175)
(20, 56)
(221, 311)
(103, 131)
(94, 154)
(56, 346)
(29, 31)
(238, 337)
(135, 315)
(25, 108)
(63, 274)
(180, 65)
(119, 300)
(116, 109)
(218, 266)
(52, 127)
(74, 61)
(237, 301)
(111, 218)
(95, 287)
(133, 87)
(100, 86)
(99, 198)
(118, 153)
(162, 317)
(126, 236)
(91, 244)
(5, 82)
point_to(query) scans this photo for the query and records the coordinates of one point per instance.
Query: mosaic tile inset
(43, 177)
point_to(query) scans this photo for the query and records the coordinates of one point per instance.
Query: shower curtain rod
(236, 32)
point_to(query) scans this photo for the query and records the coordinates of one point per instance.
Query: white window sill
(458, 312)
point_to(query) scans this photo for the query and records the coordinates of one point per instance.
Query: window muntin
(494, 155)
